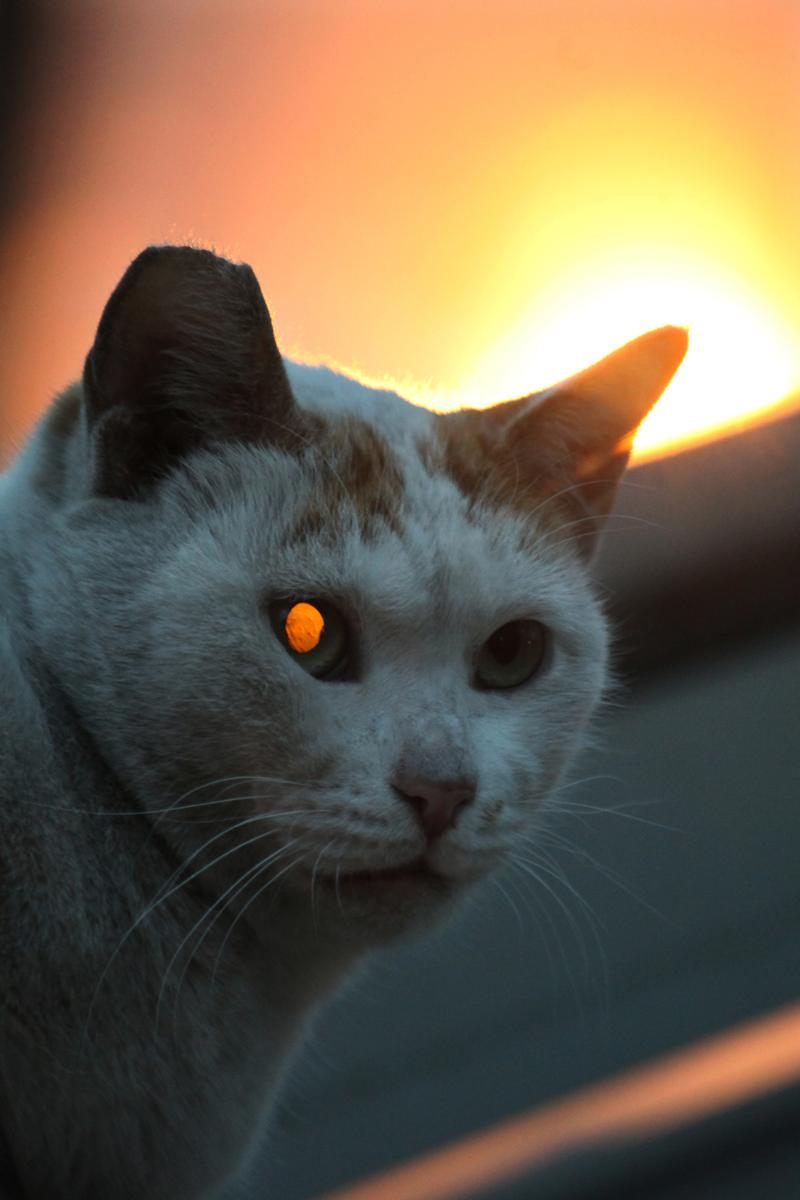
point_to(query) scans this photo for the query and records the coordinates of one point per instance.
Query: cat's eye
(514, 653)
(315, 634)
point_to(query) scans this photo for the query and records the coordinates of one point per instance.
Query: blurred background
(466, 201)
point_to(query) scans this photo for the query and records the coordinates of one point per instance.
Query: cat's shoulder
(329, 392)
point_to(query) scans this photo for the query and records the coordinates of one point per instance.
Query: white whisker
(514, 909)
(236, 886)
(259, 892)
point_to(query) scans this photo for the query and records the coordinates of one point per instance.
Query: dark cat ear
(184, 355)
(573, 439)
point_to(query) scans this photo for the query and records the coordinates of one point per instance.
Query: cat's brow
(364, 481)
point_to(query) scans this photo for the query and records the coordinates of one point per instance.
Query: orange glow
(669, 233)
(465, 202)
(304, 627)
(742, 360)
(707, 1077)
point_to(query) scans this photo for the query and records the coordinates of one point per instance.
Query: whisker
(514, 908)
(252, 899)
(607, 531)
(600, 520)
(570, 808)
(313, 877)
(265, 816)
(516, 864)
(533, 868)
(236, 888)
(237, 884)
(162, 896)
(561, 842)
(573, 783)
(148, 812)
(565, 491)
(552, 869)
(532, 899)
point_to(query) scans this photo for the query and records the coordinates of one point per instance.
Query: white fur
(141, 667)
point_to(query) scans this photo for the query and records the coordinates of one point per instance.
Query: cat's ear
(184, 356)
(574, 439)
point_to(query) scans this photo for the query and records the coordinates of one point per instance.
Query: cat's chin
(381, 905)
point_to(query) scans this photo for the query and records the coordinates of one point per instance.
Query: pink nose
(434, 801)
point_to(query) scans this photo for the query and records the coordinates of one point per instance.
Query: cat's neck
(77, 820)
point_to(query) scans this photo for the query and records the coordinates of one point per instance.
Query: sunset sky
(468, 200)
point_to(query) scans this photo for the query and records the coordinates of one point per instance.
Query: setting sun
(462, 202)
(651, 216)
(740, 363)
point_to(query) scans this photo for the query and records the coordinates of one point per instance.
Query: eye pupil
(511, 655)
(316, 635)
(504, 644)
(304, 627)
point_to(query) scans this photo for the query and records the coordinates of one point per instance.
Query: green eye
(315, 634)
(512, 654)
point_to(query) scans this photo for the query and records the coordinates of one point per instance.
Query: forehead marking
(358, 475)
(493, 475)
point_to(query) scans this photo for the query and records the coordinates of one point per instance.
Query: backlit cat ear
(184, 355)
(572, 439)
(586, 425)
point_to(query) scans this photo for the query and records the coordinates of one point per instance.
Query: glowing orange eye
(304, 627)
(316, 635)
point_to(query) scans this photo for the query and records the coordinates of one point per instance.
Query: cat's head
(354, 643)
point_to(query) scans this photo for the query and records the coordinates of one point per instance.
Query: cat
(288, 664)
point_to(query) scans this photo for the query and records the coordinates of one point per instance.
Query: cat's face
(355, 664)
(421, 726)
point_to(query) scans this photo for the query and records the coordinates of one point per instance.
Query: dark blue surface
(508, 1008)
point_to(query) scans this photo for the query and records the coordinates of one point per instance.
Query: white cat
(287, 664)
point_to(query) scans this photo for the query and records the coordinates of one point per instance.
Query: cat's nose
(434, 801)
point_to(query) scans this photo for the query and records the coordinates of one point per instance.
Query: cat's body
(145, 1123)
(146, 565)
